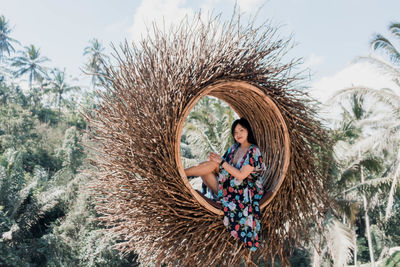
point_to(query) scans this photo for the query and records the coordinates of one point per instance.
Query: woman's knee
(214, 165)
(210, 163)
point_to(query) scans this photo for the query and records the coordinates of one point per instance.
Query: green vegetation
(207, 128)
(46, 211)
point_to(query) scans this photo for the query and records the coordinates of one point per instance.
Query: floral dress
(240, 199)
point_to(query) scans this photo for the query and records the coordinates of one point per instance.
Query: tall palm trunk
(388, 210)
(391, 197)
(316, 258)
(355, 249)
(59, 107)
(367, 226)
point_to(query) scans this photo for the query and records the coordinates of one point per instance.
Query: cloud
(162, 12)
(359, 74)
(249, 5)
(313, 60)
(117, 26)
(168, 12)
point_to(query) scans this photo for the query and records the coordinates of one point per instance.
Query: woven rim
(267, 124)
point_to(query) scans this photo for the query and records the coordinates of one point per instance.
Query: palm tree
(5, 39)
(59, 87)
(380, 43)
(387, 133)
(340, 241)
(207, 128)
(94, 64)
(5, 93)
(390, 134)
(36, 93)
(30, 62)
(360, 160)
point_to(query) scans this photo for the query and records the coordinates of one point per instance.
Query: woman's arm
(238, 174)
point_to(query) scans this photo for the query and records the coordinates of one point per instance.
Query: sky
(329, 35)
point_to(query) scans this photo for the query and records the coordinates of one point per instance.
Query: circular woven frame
(269, 129)
(140, 186)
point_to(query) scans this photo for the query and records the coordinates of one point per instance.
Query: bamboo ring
(268, 126)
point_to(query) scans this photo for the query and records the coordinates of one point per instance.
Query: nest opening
(268, 126)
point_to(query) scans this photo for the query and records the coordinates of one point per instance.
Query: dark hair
(245, 124)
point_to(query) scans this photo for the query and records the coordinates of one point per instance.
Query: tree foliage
(30, 63)
(46, 211)
(6, 42)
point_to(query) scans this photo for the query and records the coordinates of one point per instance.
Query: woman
(236, 178)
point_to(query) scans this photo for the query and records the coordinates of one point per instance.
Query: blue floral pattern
(240, 199)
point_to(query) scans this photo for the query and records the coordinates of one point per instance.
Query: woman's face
(240, 133)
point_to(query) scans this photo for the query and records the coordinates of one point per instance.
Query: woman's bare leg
(203, 168)
(206, 170)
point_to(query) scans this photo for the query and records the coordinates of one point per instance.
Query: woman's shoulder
(232, 147)
(255, 149)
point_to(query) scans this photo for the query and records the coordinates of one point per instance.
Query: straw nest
(141, 190)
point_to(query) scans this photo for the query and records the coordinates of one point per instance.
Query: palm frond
(384, 66)
(30, 62)
(370, 183)
(395, 175)
(23, 197)
(348, 205)
(385, 95)
(340, 241)
(188, 162)
(379, 42)
(200, 140)
(372, 144)
(394, 29)
(5, 40)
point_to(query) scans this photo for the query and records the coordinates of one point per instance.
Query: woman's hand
(241, 174)
(214, 157)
